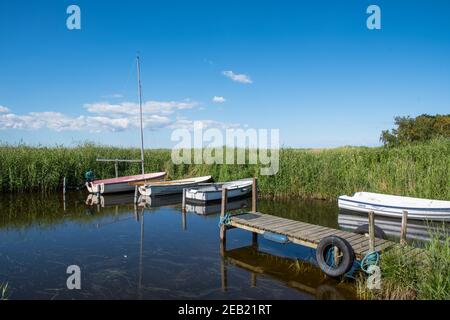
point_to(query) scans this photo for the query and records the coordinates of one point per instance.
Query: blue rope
(370, 259)
(225, 220)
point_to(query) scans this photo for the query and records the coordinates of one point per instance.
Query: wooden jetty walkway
(357, 246)
(304, 234)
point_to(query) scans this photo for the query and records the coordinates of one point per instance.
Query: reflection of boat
(121, 184)
(416, 229)
(215, 208)
(393, 206)
(152, 202)
(110, 199)
(213, 191)
(298, 274)
(158, 188)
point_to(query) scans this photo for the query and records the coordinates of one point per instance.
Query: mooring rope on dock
(225, 220)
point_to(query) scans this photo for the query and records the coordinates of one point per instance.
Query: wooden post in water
(64, 194)
(255, 208)
(116, 167)
(255, 195)
(183, 210)
(404, 228)
(371, 231)
(183, 201)
(135, 194)
(223, 227)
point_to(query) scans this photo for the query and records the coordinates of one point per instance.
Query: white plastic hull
(171, 187)
(235, 189)
(109, 188)
(393, 206)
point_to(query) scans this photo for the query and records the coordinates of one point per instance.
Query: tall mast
(138, 64)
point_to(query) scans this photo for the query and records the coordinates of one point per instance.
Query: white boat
(121, 184)
(393, 206)
(170, 187)
(213, 191)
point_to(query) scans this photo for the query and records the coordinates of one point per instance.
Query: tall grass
(427, 276)
(421, 170)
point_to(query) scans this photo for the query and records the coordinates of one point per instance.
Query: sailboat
(122, 184)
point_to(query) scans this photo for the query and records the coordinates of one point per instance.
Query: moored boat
(213, 191)
(159, 188)
(121, 184)
(393, 206)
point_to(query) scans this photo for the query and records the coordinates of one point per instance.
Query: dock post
(404, 228)
(223, 272)
(64, 194)
(223, 227)
(135, 194)
(116, 167)
(255, 195)
(255, 208)
(183, 201)
(371, 231)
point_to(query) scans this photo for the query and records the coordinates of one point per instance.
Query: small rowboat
(121, 184)
(393, 206)
(160, 188)
(213, 191)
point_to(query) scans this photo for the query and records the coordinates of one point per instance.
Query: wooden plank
(298, 226)
(291, 230)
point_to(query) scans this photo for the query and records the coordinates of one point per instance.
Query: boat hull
(236, 189)
(120, 184)
(171, 187)
(393, 207)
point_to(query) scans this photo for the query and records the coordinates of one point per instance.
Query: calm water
(153, 251)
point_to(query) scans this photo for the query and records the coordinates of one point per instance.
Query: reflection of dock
(296, 274)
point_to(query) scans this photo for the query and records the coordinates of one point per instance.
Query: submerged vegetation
(421, 170)
(3, 291)
(426, 276)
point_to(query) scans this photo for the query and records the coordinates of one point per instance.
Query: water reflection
(148, 250)
(300, 274)
(417, 231)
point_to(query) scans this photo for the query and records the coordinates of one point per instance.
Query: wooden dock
(302, 233)
(306, 234)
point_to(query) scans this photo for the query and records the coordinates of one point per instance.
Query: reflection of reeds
(4, 291)
(420, 170)
(423, 276)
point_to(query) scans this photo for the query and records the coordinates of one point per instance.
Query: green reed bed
(421, 170)
(425, 277)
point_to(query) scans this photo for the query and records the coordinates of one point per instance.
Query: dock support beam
(223, 227)
(371, 231)
(404, 228)
(255, 208)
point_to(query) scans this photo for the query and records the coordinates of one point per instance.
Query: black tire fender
(346, 262)
(364, 229)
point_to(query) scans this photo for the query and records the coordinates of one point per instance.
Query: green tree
(422, 128)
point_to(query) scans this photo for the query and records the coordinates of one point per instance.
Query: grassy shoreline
(424, 277)
(420, 170)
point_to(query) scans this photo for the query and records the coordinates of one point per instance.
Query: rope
(225, 220)
(370, 259)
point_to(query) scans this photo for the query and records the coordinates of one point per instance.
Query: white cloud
(114, 96)
(148, 107)
(189, 124)
(242, 78)
(3, 109)
(107, 117)
(218, 99)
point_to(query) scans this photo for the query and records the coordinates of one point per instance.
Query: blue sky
(309, 68)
